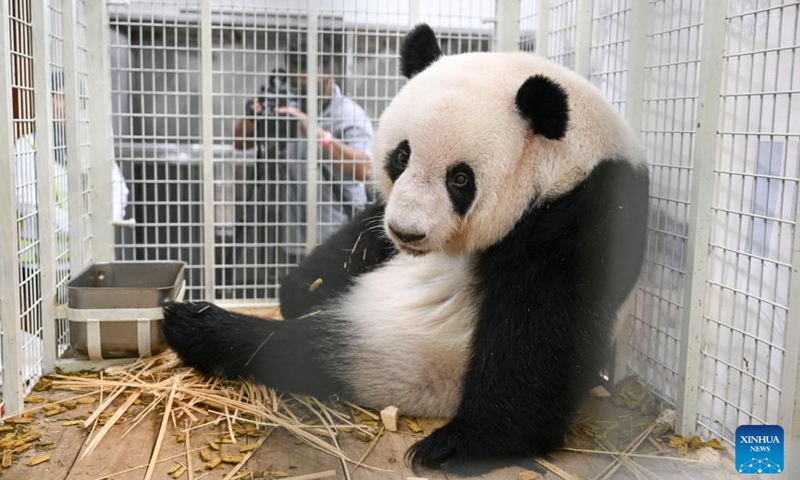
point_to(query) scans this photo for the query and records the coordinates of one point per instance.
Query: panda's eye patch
(461, 187)
(397, 161)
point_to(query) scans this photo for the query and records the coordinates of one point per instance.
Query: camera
(274, 126)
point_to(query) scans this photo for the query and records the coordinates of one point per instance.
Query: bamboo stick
(157, 448)
(637, 455)
(110, 423)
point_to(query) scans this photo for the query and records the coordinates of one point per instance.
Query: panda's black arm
(357, 247)
(551, 290)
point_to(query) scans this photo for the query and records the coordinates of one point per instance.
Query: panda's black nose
(407, 237)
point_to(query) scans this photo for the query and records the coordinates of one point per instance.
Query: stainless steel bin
(114, 309)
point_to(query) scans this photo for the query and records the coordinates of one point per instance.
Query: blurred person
(344, 142)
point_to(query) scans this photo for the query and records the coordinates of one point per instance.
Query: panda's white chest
(411, 323)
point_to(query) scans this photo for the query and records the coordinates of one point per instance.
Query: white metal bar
(413, 12)
(638, 19)
(506, 25)
(72, 105)
(701, 213)
(102, 151)
(311, 134)
(206, 85)
(9, 259)
(43, 137)
(583, 37)
(543, 28)
(789, 404)
(113, 314)
(247, 303)
(350, 60)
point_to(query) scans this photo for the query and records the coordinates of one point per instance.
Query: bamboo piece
(110, 423)
(313, 476)
(144, 465)
(157, 448)
(636, 455)
(24, 414)
(37, 461)
(188, 456)
(94, 416)
(232, 402)
(556, 469)
(249, 454)
(369, 449)
(611, 469)
(362, 410)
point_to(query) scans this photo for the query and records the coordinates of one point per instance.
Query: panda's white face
(458, 164)
(449, 153)
(450, 159)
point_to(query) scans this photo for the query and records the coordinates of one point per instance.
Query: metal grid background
(609, 49)
(45, 78)
(156, 117)
(667, 131)
(729, 360)
(60, 180)
(83, 190)
(157, 98)
(754, 216)
(563, 27)
(26, 186)
(528, 16)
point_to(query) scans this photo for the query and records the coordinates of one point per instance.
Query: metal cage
(165, 89)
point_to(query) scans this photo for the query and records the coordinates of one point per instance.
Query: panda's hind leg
(280, 354)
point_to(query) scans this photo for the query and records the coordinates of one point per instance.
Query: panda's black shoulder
(590, 237)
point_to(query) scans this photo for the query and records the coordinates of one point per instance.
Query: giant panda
(484, 284)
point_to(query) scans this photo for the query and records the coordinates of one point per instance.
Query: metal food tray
(115, 309)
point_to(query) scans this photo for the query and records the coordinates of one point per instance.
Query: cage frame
(506, 36)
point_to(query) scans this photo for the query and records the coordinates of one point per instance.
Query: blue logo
(759, 449)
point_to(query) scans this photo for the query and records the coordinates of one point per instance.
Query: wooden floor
(600, 425)
(281, 455)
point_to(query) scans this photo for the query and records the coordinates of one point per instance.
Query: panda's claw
(433, 451)
(454, 447)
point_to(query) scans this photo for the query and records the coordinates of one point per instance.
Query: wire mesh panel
(155, 87)
(755, 193)
(41, 182)
(71, 255)
(26, 182)
(360, 46)
(667, 134)
(528, 16)
(563, 26)
(461, 26)
(259, 172)
(609, 50)
(60, 180)
(84, 229)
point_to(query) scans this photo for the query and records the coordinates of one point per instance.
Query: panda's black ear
(544, 104)
(419, 50)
